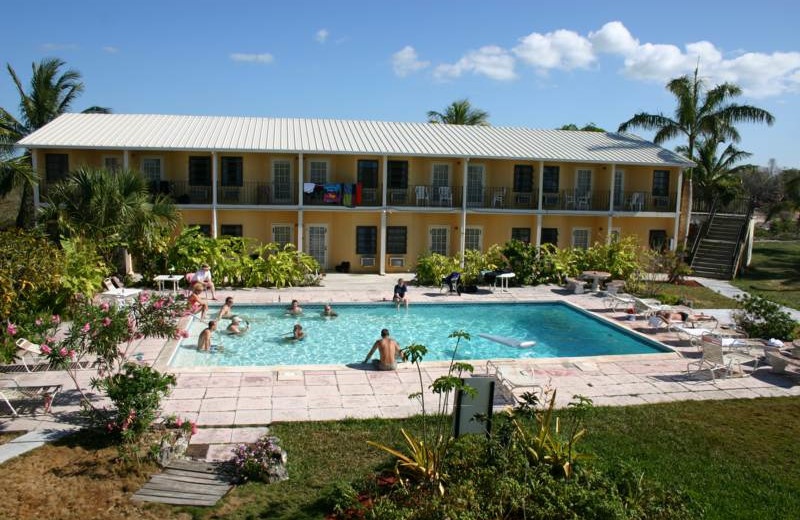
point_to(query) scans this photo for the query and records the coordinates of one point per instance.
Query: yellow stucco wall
(341, 236)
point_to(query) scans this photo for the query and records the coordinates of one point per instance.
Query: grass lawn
(701, 297)
(739, 458)
(774, 272)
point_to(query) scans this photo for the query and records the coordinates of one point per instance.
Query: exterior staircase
(719, 246)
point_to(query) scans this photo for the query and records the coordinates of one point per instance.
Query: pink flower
(86, 327)
(38, 321)
(63, 352)
(183, 333)
(106, 321)
(11, 329)
(104, 306)
(144, 297)
(194, 427)
(158, 304)
(179, 422)
(55, 318)
(73, 355)
(110, 426)
(45, 349)
(49, 339)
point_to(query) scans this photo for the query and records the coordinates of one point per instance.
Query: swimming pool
(559, 329)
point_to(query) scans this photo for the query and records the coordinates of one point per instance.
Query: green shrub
(621, 258)
(433, 267)
(523, 260)
(31, 270)
(762, 318)
(476, 261)
(84, 269)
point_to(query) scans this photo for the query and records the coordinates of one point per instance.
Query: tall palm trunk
(26, 217)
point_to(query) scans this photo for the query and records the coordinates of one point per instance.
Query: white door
(475, 185)
(583, 183)
(438, 241)
(282, 182)
(317, 236)
(619, 188)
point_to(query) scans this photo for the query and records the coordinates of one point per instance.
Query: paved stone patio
(232, 404)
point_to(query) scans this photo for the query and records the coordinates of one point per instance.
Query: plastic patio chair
(26, 393)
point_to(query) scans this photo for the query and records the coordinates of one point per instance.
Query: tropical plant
(699, 112)
(460, 112)
(716, 176)
(789, 203)
(588, 127)
(763, 318)
(111, 209)
(51, 94)
(421, 461)
(84, 269)
(433, 267)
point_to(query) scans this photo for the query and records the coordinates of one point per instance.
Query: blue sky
(524, 64)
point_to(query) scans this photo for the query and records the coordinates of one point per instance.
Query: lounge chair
(11, 390)
(615, 300)
(27, 348)
(512, 376)
(647, 307)
(714, 358)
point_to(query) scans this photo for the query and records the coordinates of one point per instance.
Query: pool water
(558, 329)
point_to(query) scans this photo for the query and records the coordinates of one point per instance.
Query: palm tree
(716, 176)
(460, 112)
(112, 209)
(588, 127)
(699, 112)
(51, 93)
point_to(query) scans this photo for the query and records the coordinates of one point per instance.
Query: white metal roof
(336, 136)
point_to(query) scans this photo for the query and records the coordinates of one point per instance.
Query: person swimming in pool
(236, 327)
(297, 333)
(294, 309)
(328, 312)
(226, 310)
(204, 340)
(388, 349)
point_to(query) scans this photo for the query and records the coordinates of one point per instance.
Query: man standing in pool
(388, 349)
(400, 293)
(227, 310)
(204, 340)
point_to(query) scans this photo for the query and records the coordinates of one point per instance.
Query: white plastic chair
(30, 349)
(21, 393)
(636, 202)
(499, 198)
(421, 193)
(445, 196)
(713, 358)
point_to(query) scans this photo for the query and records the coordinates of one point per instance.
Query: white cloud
(59, 47)
(263, 57)
(406, 61)
(110, 49)
(559, 49)
(759, 74)
(491, 61)
(322, 35)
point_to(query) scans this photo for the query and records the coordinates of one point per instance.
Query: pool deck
(224, 400)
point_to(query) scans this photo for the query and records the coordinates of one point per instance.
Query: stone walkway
(233, 404)
(725, 288)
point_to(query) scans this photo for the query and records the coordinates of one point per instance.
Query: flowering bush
(180, 423)
(263, 461)
(38, 329)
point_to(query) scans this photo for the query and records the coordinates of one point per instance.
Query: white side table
(504, 278)
(163, 278)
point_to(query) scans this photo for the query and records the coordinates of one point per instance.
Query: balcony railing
(576, 200)
(342, 195)
(736, 206)
(425, 196)
(638, 201)
(182, 192)
(258, 194)
(502, 197)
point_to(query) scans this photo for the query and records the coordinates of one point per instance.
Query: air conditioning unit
(397, 261)
(367, 261)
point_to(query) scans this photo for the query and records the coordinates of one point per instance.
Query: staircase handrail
(703, 231)
(742, 238)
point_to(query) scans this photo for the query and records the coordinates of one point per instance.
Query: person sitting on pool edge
(388, 349)
(297, 333)
(294, 309)
(196, 302)
(400, 293)
(204, 339)
(328, 312)
(226, 310)
(236, 327)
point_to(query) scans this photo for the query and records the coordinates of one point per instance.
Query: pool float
(511, 342)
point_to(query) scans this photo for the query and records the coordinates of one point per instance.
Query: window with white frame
(282, 180)
(440, 175)
(583, 182)
(438, 240)
(282, 234)
(151, 169)
(318, 172)
(111, 163)
(475, 184)
(473, 239)
(580, 238)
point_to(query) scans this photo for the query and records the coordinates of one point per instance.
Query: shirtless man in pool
(388, 349)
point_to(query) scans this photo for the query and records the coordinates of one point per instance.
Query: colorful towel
(333, 194)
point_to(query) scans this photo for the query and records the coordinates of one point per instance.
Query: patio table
(504, 278)
(596, 277)
(163, 278)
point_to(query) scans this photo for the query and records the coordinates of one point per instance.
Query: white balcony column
(541, 185)
(538, 230)
(608, 230)
(300, 181)
(676, 230)
(126, 160)
(35, 168)
(214, 174)
(382, 245)
(462, 237)
(384, 181)
(613, 169)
